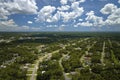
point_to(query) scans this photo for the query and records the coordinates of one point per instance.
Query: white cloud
(29, 22)
(95, 20)
(10, 25)
(80, 20)
(81, 1)
(61, 28)
(113, 18)
(7, 23)
(75, 5)
(3, 13)
(8, 7)
(67, 16)
(53, 14)
(63, 2)
(108, 8)
(77, 0)
(91, 20)
(118, 1)
(25, 27)
(114, 14)
(76, 12)
(56, 17)
(22, 6)
(50, 26)
(66, 13)
(86, 24)
(45, 14)
(64, 8)
(35, 28)
(72, 0)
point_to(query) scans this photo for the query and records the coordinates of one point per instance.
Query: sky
(59, 15)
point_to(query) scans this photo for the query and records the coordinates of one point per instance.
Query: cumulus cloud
(50, 26)
(67, 16)
(72, 0)
(95, 20)
(86, 24)
(76, 12)
(45, 14)
(56, 17)
(35, 28)
(61, 28)
(29, 22)
(114, 14)
(24, 27)
(64, 8)
(80, 20)
(8, 7)
(63, 2)
(118, 1)
(113, 18)
(3, 13)
(65, 12)
(75, 5)
(108, 8)
(10, 25)
(81, 1)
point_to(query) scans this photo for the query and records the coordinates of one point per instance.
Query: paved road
(82, 58)
(103, 54)
(60, 63)
(34, 72)
(110, 42)
(41, 58)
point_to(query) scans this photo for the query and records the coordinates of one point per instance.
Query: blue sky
(59, 15)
